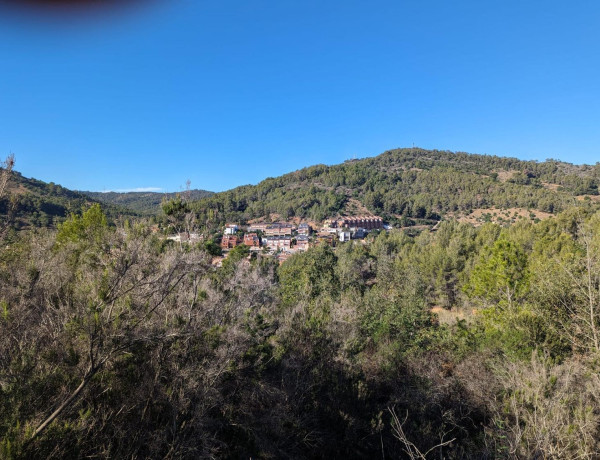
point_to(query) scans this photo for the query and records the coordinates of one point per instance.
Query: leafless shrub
(5, 173)
(6, 169)
(549, 411)
(409, 447)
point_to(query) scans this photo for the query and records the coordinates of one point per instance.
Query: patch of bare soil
(354, 207)
(549, 186)
(19, 189)
(591, 197)
(503, 176)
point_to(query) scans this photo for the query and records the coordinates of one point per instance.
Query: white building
(231, 229)
(344, 236)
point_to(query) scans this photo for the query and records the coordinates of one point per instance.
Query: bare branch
(410, 448)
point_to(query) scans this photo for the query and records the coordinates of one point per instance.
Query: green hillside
(405, 186)
(465, 342)
(142, 202)
(460, 342)
(410, 184)
(34, 203)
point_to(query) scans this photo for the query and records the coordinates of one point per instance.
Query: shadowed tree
(5, 172)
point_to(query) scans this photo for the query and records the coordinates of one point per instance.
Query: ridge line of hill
(405, 186)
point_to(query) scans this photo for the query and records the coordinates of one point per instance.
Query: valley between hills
(416, 304)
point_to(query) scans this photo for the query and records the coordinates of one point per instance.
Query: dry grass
(591, 197)
(549, 186)
(450, 317)
(500, 216)
(503, 176)
(354, 207)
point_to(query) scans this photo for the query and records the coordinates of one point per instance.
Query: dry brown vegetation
(553, 187)
(504, 176)
(595, 198)
(353, 207)
(467, 341)
(452, 315)
(500, 216)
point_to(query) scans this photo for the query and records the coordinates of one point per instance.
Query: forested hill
(34, 203)
(404, 186)
(408, 184)
(477, 342)
(143, 202)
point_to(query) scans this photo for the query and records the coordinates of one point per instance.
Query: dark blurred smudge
(70, 8)
(67, 4)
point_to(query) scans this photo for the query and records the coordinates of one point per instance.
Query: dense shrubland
(118, 344)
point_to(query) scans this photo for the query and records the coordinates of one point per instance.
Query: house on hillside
(330, 223)
(230, 241)
(359, 233)
(258, 227)
(302, 243)
(278, 242)
(304, 229)
(252, 240)
(279, 229)
(366, 222)
(344, 236)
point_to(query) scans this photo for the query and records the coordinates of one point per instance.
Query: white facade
(344, 236)
(231, 229)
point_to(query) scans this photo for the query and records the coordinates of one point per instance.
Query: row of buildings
(285, 236)
(364, 222)
(280, 229)
(276, 237)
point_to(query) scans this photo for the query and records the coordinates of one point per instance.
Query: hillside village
(283, 239)
(328, 289)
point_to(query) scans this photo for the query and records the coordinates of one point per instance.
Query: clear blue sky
(228, 93)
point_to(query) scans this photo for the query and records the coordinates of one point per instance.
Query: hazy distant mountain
(142, 202)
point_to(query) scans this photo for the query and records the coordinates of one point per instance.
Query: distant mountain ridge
(143, 202)
(408, 184)
(35, 203)
(404, 186)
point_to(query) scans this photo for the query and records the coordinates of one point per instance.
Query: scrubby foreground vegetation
(115, 343)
